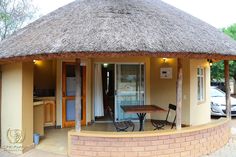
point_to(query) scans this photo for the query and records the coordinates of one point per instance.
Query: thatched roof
(113, 27)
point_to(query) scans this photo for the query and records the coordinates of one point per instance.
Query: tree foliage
(230, 31)
(217, 69)
(13, 15)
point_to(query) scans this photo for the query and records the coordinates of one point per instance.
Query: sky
(219, 13)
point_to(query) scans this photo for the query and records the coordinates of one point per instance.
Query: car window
(217, 93)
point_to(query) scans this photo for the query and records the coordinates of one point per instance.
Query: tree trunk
(78, 96)
(227, 89)
(179, 87)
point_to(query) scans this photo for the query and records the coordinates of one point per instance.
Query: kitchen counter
(42, 112)
(39, 117)
(53, 98)
(38, 102)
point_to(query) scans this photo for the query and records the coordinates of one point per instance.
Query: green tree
(217, 69)
(230, 31)
(13, 15)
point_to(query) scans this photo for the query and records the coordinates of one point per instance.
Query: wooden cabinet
(39, 118)
(49, 113)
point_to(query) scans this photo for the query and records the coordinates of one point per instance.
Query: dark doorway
(108, 76)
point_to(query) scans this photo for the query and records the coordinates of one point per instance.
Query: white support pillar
(227, 89)
(78, 96)
(179, 88)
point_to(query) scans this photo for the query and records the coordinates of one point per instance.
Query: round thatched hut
(110, 27)
(145, 53)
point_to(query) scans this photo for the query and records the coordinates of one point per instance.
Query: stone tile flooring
(55, 141)
(32, 153)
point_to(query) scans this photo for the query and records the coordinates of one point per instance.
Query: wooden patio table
(141, 111)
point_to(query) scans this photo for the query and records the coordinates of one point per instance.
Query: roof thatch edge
(189, 55)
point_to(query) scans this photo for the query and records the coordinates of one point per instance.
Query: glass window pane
(200, 84)
(70, 86)
(198, 89)
(198, 71)
(202, 89)
(70, 110)
(201, 69)
(130, 87)
(70, 80)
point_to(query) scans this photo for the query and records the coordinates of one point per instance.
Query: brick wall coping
(212, 124)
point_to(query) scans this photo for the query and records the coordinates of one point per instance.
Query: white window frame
(201, 79)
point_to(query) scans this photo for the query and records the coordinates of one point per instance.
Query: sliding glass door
(129, 88)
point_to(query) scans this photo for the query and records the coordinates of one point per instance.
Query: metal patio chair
(159, 124)
(122, 125)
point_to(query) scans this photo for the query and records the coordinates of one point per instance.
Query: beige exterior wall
(27, 103)
(199, 111)
(17, 104)
(158, 91)
(163, 91)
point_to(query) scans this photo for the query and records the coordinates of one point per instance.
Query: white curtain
(98, 93)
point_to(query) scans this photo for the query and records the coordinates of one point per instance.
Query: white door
(129, 88)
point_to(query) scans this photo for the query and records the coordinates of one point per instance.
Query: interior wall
(44, 74)
(200, 111)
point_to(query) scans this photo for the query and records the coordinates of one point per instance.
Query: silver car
(218, 107)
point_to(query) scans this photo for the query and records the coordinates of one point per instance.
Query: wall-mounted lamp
(105, 65)
(37, 62)
(164, 60)
(210, 62)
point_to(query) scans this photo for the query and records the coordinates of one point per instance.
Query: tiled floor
(55, 140)
(31, 153)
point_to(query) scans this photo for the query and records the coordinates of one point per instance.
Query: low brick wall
(192, 141)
